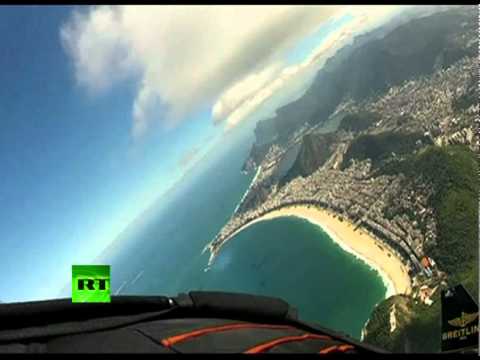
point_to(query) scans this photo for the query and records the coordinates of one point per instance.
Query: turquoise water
(285, 257)
(297, 261)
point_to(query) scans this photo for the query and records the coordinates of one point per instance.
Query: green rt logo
(90, 283)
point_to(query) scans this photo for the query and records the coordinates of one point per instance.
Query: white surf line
(120, 288)
(364, 330)
(137, 277)
(208, 246)
(248, 190)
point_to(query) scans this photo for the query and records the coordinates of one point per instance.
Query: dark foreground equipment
(198, 322)
(459, 321)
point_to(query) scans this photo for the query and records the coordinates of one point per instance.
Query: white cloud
(185, 56)
(101, 54)
(241, 92)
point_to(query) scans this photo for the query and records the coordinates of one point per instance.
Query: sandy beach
(357, 242)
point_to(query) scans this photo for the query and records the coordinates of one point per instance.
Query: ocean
(285, 257)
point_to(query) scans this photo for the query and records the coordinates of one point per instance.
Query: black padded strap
(39, 319)
(76, 327)
(241, 306)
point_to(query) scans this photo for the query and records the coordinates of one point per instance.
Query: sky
(103, 109)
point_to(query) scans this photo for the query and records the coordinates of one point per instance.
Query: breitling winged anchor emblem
(464, 319)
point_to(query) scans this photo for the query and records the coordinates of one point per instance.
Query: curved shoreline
(356, 242)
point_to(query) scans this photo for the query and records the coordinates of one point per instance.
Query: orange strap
(266, 346)
(186, 336)
(341, 348)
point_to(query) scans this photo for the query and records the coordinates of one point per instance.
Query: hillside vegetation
(452, 173)
(380, 147)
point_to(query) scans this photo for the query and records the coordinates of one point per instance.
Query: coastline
(249, 188)
(356, 242)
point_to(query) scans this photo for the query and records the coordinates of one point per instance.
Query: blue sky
(72, 176)
(67, 164)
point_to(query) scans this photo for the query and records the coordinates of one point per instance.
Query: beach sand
(357, 242)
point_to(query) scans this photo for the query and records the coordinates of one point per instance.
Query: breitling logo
(463, 320)
(461, 334)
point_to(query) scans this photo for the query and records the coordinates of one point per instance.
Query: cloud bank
(186, 57)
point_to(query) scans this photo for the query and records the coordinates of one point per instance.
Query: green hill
(358, 121)
(452, 173)
(314, 151)
(380, 147)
